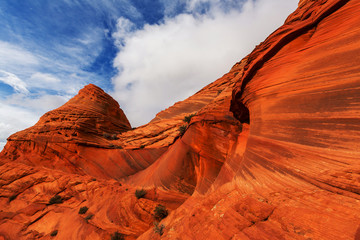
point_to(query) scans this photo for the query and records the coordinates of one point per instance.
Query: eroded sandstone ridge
(284, 163)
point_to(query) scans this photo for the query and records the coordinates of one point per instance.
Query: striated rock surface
(301, 87)
(79, 138)
(297, 175)
(152, 156)
(172, 172)
(27, 213)
(282, 164)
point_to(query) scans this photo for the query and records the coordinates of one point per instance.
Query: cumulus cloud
(124, 28)
(164, 63)
(157, 65)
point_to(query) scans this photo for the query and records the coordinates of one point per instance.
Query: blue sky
(147, 54)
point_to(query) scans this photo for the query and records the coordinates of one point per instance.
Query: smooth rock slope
(272, 151)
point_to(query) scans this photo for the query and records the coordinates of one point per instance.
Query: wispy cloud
(15, 55)
(13, 119)
(167, 50)
(13, 81)
(44, 80)
(164, 63)
(50, 51)
(39, 103)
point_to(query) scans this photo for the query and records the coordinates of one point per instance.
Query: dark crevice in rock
(241, 112)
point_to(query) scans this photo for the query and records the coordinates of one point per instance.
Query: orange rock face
(282, 164)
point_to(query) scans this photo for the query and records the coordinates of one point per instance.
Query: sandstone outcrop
(282, 164)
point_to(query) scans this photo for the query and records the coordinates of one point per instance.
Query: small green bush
(142, 146)
(54, 233)
(110, 136)
(88, 217)
(140, 193)
(182, 129)
(117, 236)
(55, 199)
(83, 210)
(160, 212)
(12, 197)
(187, 118)
(159, 228)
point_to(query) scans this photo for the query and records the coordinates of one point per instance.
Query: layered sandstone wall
(282, 164)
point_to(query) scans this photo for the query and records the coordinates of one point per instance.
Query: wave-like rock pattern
(298, 176)
(79, 137)
(112, 207)
(168, 166)
(282, 164)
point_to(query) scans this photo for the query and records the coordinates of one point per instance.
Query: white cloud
(44, 78)
(14, 55)
(2, 145)
(20, 111)
(158, 65)
(14, 119)
(12, 80)
(40, 104)
(161, 64)
(124, 28)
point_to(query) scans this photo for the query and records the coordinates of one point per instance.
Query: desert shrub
(140, 193)
(142, 146)
(159, 228)
(182, 129)
(160, 212)
(106, 135)
(83, 210)
(54, 233)
(12, 197)
(187, 118)
(88, 217)
(117, 236)
(110, 136)
(55, 199)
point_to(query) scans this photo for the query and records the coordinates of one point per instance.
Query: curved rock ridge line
(91, 135)
(163, 129)
(302, 153)
(191, 163)
(306, 17)
(84, 119)
(287, 167)
(78, 137)
(194, 161)
(27, 212)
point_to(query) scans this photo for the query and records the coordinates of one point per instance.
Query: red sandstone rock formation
(286, 167)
